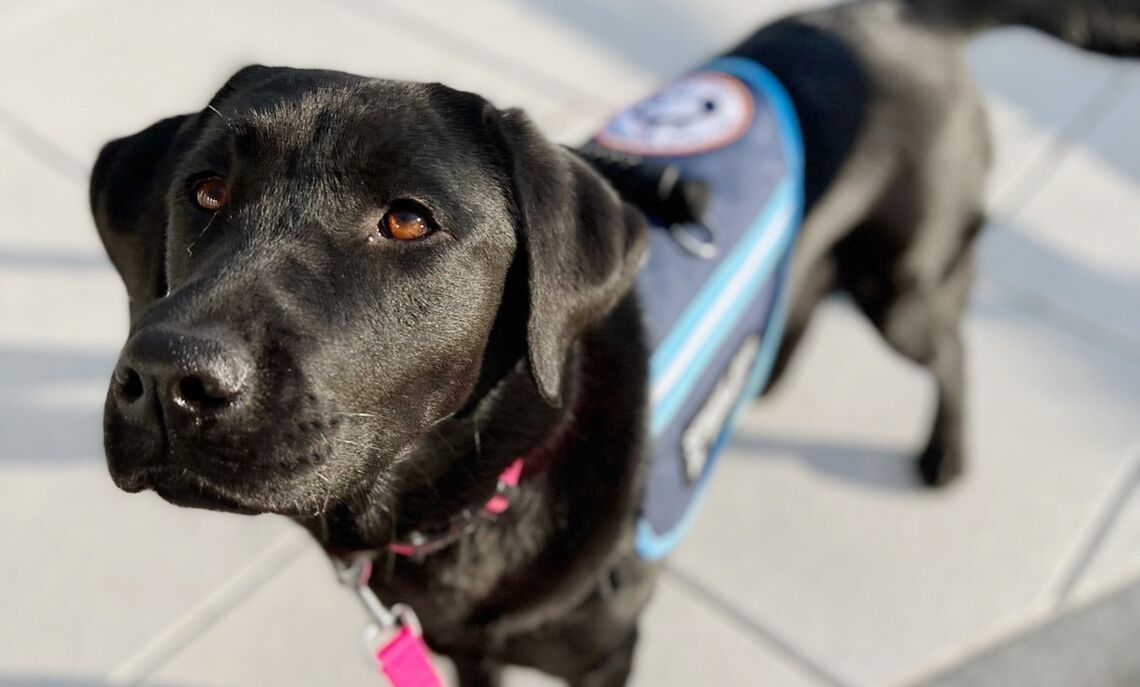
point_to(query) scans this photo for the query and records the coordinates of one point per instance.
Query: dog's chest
(713, 320)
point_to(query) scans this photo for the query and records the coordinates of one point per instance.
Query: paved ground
(816, 562)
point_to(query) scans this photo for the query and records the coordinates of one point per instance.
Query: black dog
(355, 302)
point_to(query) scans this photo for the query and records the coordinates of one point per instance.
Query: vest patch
(696, 113)
(699, 438)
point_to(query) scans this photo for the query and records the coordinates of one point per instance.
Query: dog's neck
(463, 458)
(582, 476)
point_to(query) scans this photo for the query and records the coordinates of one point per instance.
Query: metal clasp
(355, 576)
(702, 247)
(382, 619)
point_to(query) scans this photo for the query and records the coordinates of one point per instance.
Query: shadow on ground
(877, 467)
(51, 405)
(1108, 298)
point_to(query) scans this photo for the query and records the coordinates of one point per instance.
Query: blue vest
(714, 323)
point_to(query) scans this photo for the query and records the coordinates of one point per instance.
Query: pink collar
(420, 544)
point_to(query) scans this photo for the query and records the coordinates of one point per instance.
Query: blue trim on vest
(649, 544)
(768, 241)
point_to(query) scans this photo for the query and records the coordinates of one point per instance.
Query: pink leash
(404, 660)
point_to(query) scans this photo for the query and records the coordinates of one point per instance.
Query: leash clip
(355, 576)
(393, 639)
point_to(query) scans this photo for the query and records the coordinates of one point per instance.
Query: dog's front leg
(614, 669)
(478, 672)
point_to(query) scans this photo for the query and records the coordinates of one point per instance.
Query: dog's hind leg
(819, 281)
(919, 313)
(943, 458)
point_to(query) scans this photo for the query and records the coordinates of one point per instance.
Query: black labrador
(354, 302)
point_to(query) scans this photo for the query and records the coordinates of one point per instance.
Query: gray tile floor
(816, 560)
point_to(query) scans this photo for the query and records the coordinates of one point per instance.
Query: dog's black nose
(188, 372)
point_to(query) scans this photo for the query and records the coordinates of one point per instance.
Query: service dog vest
(711, 293)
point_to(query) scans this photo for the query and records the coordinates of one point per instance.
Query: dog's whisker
(227, 120)
(427, 479)
(360, 444)
(443, 439)
(190, 248)
(328, 493)
(462, 465)
(478, 442)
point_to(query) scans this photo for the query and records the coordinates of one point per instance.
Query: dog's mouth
(192, 489)
(299, 490)
(207, 500)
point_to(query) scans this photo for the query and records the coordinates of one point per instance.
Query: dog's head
(323, 268)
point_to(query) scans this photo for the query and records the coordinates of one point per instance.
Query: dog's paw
(938, 467)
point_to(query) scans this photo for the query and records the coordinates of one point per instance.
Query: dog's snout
(191, 373)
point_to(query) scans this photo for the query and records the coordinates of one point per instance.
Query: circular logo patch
(694, 114)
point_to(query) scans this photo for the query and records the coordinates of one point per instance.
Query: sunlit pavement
(816, 561)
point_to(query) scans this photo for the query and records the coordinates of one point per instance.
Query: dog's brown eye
(405, 224)
(211, 194)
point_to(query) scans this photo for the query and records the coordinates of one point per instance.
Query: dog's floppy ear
(582, 245)
(128, 189)
(128, 195)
